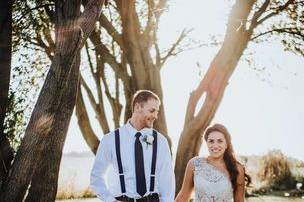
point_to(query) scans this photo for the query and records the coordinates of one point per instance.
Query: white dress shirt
(105, 176)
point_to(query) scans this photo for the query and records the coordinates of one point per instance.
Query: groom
(139, 157)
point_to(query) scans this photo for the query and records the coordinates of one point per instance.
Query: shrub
(275, 171)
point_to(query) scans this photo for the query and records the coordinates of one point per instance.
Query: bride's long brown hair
(229, 155)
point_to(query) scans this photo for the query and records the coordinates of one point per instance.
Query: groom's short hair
(142, 96)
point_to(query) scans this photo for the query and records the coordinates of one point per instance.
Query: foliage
(32, 24)
(29, 64)
(14, 124)
(283, 19)
(275, 171)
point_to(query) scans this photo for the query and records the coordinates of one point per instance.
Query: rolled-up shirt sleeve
(166, 177)
(100, 167)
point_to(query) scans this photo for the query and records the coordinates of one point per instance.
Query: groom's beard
(149, 123)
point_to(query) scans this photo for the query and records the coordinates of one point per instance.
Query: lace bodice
(210, 184)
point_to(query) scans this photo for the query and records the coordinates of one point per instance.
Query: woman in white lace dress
(219, 177)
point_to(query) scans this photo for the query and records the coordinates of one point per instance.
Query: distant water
(74, 174)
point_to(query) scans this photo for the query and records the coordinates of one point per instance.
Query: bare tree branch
(287, 30)
(98, 85)
(96, 76)
(90, 60)
(279, 10)
(89, 93)
(150, 22)
(173, 48)
(99, 110)
(258, 14)
(115, 105)
(48, 37)
(84, 123)
(159, 9)
(117, 88)
(29, 11)
(158, 56)
(108, 57)
(108, 26)
(48, 50)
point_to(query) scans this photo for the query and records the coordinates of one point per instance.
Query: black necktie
(139, 167)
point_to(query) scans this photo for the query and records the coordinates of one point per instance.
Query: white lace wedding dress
(210, 184)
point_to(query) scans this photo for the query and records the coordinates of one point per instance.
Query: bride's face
(216, 144)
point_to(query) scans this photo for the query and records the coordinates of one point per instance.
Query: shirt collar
(133, 131)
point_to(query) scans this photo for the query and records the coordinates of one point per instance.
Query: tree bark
(6, 153)
(145, 75)
(84, 123)
(212, 86)
(70, 38)
(45, 178)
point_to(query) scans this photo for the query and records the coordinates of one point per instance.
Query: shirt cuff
(110, 199)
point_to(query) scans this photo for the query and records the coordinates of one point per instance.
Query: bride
(219, 177)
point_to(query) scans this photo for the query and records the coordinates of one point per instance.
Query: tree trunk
(6, 153)
(145, 75)
(45, 178)
(212, 86)
(155, 82)
(70, 37)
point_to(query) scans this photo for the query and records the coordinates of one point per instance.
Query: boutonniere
(148, 139)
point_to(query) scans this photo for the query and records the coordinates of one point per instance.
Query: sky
(263, 110)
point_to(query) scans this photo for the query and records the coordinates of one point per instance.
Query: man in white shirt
(139, 157)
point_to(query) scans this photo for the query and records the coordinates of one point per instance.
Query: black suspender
(121, 175)
(154, 154)
(120, 169)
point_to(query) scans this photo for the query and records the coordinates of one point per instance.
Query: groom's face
(148, 112)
